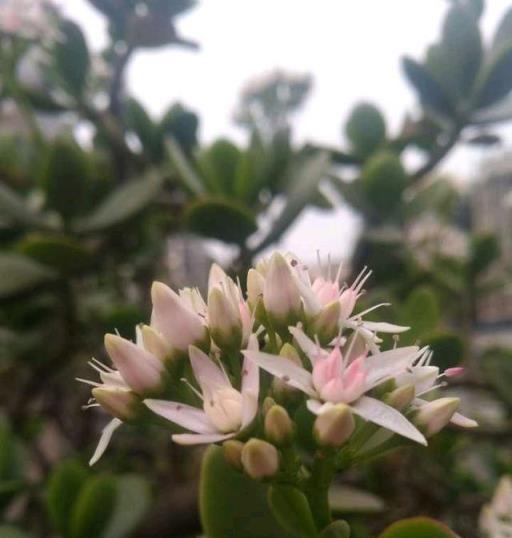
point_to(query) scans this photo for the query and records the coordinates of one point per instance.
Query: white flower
(334, 379)
(226, 410)
(496, 517)
(30, 19)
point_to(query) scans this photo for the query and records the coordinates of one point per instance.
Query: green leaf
(366, 129)
(63, 253)
(462, 49)
(431, 93)
(62, 492)
(138, 121)
(231, 504)
(14, 208)
(12, 462)
(220, 218)
(183, 168)
(496, 81)
(8, 531)
(483, 251)
(448, 349)
(418, 527)
(383, 180)
(72, 57)
(337, 529)
(65, 177)
(305, 177)
(421, 312)
(182, 125)
(94, 508)
(132, 502)
(218, 166)
(503, 36)
(347, 499)
(121, 204)
(291, 509)
(21, 274)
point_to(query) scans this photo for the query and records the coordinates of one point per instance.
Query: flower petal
(181, 414)
(310, 348)
(392, 363)
(422, 377)
(200, 438)
(285, 369)
(208, 374)
(383, 327)
(379, 413)
(104, 441)
(463, 422)
(317, 407)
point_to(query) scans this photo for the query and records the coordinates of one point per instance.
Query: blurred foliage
(84, 227)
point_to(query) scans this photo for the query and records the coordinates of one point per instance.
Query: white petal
(379, 413)
(383, 327)
(310, 348)
(113, 379)
(463, 422)
(105, 437)
(200, 438)
(250, 391)
(208, 374)
(422, 377)
(317, 407)
(285, 369)
(184, 415)
(390, 363)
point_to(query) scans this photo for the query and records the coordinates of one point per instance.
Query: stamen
(103, 366)
(371, 309)
(192, 388)
(88, 382)
(338, 272)
(434, 387)
(329, 267)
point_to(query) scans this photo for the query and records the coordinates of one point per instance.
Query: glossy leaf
(366, 129)
(291, 509)
(429, 90)
(21, 274)
(93, 508)
(418, 527)
(220, 218)
(503, 36)
(231, 504)
(138, 120)
(218, 165)
(182, 166)
(122, 204)
(337, 529)
(63, 253)
(72, 57)
(62, 492)
(496, 82)
(182, 125)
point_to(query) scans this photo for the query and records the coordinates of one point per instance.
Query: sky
(352, 48)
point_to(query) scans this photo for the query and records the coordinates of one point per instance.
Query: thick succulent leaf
(418, 527)
(13, 207)
(63, 253)
(496, 80)
(138, 120)
(233, 505)
(431, 93)
(122, 204)
(182, 125)
(220, 218)
(347, 499)
(218, 166)
(180, 163)
(132, 503)
(62, 492)
(366, 129)
(93, 508)
(503, 36)
(337, 529)
(21, 274)
(72, 57)
(290, 507)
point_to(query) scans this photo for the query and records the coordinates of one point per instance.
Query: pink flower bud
(260, 459)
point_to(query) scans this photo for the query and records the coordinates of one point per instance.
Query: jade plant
(291, 380)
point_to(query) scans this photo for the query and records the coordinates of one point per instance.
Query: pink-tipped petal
(385, 416)
(104, 441)
(208, 374)
(200, 438)
(285, 369)
(454, 372)
(310, 348)
(183, 415)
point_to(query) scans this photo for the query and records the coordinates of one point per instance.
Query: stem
(317, 488)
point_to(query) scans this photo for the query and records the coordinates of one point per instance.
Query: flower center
(224, 409)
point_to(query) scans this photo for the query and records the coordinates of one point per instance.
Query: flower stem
(317, 488)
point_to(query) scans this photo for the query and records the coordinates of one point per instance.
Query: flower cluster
(323, 369)
(30, 19)
(496, 517)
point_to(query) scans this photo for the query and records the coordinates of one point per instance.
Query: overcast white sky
(351, 47)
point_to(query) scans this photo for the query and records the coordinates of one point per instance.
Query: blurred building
(492, 213)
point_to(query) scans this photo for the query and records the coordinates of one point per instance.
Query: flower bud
(232, 450)
(433, 416)
(153, 342)
(224, 320)
(120, 402)
(255, 283)
(278, 425)
(281, 295)
(141, 370)
(268, 402)
(178, 324)
(334, 426)
(260, 459)
(326, 323)
(401, 397)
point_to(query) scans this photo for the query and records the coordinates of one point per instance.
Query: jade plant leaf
(290, 507)
(233, 505)
(21, 274)
(418, 527)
